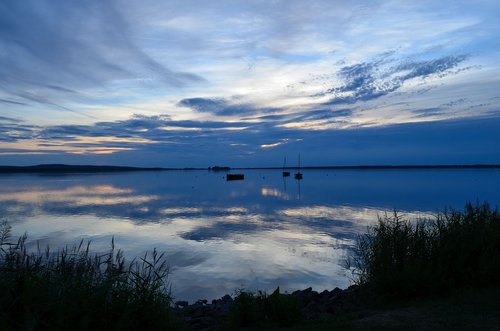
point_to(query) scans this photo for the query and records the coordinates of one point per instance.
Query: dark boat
(285, 173)
(235, 177)
(298, 174)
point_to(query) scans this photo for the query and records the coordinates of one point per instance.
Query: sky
(247, 83)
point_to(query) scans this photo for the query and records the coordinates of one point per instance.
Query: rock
(227, 298)
(337, 291)
(306, 295)
(352, 288)
(202, 315)
(181, 304)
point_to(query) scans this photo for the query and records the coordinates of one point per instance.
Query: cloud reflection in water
(218, 236)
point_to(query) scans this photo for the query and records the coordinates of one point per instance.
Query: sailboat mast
(298, 175)
(285, 173)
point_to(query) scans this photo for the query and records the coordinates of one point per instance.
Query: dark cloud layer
(221, 107)
(12, 130)
(161, 141)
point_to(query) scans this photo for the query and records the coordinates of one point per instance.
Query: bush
(456, 250)
(74, 288)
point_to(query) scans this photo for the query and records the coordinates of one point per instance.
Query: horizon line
(111, 168)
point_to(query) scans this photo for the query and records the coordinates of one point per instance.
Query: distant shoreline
(64, 168)
(371, 167)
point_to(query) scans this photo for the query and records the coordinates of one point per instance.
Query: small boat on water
(298, 174)
(235, 177)
(285, 173)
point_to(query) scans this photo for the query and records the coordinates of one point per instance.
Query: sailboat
(285, 173)
(298, 174)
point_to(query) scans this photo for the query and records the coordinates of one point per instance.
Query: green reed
(457, 249)
(74, 288)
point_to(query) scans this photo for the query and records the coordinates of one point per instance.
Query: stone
(181, 304)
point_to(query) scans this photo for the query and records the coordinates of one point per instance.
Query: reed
(74, 288)
(456, 250)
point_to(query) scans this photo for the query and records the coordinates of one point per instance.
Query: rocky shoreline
(203, 315)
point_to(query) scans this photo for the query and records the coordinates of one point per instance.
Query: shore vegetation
(436, 273)
(74, 288)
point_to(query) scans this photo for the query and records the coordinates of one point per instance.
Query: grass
(457, 250)
(73, 288)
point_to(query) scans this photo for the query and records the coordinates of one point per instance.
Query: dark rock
(226, 298)
(352, 288)
(301, 293)
(202, 301)
(306, 295)
(337, 291)
(181, 303)
(313, 306)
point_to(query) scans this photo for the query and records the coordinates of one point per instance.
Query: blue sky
(245, 83)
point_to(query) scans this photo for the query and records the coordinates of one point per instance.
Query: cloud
(9, 119)
(323, 114)
(425, 69)
(144, 141)
(426, 112)
(371, 80)
(50, 49)
(11, 102)
(12, 130)
(138, 132)
(221, 107)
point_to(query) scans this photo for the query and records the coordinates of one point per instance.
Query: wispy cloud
(12, 102)
(125, 77)
(52, 49)
(371, 80)
(9, 119)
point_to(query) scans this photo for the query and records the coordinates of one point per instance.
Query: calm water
(258, 233)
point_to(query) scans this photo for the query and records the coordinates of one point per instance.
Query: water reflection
(273, 192)
(221, 235)
(80, 195)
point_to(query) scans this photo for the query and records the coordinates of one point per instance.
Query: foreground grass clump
(259, 310)
(454, 251)
(73, 288)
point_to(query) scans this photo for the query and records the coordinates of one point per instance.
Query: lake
(219, 236)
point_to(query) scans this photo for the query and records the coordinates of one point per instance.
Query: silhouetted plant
(455, 250)
(74, 288)
(260, 309)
